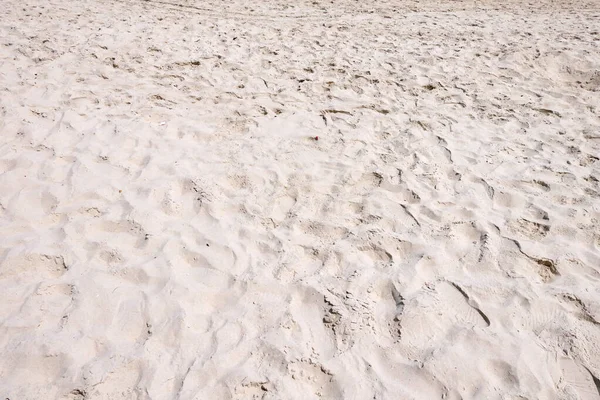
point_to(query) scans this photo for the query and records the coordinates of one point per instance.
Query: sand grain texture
(170, 228)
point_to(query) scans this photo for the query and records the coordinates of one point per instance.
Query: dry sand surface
(171, 229)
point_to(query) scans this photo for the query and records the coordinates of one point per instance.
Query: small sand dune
(299, 200)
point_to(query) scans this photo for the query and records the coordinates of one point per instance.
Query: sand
(171, 228)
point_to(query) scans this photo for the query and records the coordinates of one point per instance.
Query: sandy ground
(171, 229)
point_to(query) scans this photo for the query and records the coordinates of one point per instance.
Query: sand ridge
(172, 230)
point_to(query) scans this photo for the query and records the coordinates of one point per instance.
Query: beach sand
(299, 200)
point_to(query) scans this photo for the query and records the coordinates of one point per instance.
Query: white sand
(169, 228)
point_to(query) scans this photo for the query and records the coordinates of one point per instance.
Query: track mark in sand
(93, 212)
(409, 196)
(530, 229)
(323, 231)
(444, 145)
(587, 161)
(77, 394)
(33, 365)
(315, 375)
(547, 267)
(126, 226)
(424, 125)
(595, 380)
(574, 302)
(195, 189)
(326, 114)
(282, 207)
(38, 266)
(456, 307)
(47, 308)
(542, 184)
(483, 246)
(119, 382)
(547, 111)
(344, 316)
(488, 189)
(208, 271)
(377, 253)
(500, 374)
(376, 109)
(470, 302)
(396, 325)
(398, 299)
(410, 215)
(253, 389)
(579, 381)
(324, 119)
(331, 315)
(538, 213)
(333, 111)
(111, 257)
(369, 180)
